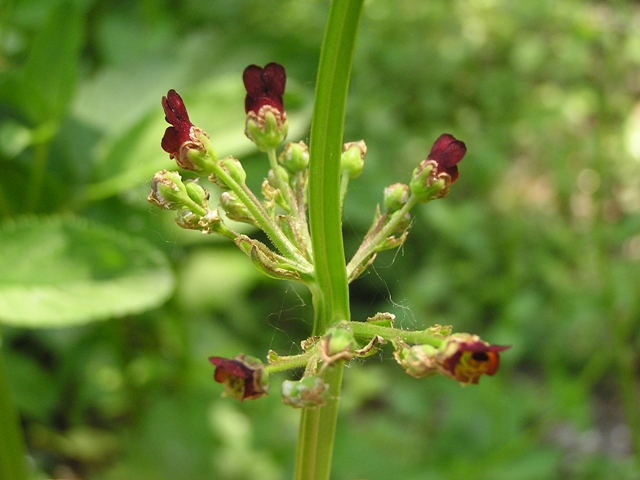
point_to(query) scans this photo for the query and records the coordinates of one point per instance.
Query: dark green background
(537, 246)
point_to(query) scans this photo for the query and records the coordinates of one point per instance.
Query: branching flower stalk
(300, 210)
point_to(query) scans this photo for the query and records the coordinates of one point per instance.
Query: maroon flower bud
(243, 377)
(447, 151)
(466, 358)
(181, 140)
(266, 123)
(265, 86)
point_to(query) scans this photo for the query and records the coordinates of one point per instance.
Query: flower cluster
(281, 213)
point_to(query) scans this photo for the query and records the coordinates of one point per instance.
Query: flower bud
(295, 157)
(266, 123)
(243, 377)
(337, 344)
(417, 360)
(168, 191)
(267, 130)
(395, 196)
(466, 358)
(234, 168)
(308, 392)
(432, 178)
(235, 209)
(189, 145)
(424, 183)
(340, 340)
(188, 220)
(278, 172)
(447, 151)
(197, 193)
(352, 159)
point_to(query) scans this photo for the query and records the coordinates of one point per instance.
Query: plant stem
(330, 290)
(13, 463)
(370, 245)
(265, 222)
(317, 432)
(366, 331)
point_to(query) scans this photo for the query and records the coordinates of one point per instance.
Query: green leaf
(62, 271)
(43, 88)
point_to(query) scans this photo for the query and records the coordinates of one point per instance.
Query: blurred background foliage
(538, 245)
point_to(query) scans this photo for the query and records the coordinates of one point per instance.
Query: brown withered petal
(176, 114)
(265, 86)
(447, 151)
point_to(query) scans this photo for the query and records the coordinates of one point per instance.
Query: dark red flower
(176, 114)
(243, 377)
(265, 86)
(466, 358)
(447, 151)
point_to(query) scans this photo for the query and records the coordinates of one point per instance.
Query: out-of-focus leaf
(43, 88)
(35, 390)
(62, 271)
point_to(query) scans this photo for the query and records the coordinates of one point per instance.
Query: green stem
(282, 185)
(13, 463)
(317, 432)
(291, 362)
(264, 221)
(295, 203)
(366, 331)
(330, 290)
(370, 245)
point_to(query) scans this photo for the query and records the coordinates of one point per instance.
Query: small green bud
(267, 129)
(235, 209)
(295, 157)
(209, 223)
(168, 190)
(188, 220)
(340, 340)
(201, 158)
(308, 392)
(395, 196)
(278, 172)
(197, 193)
(352, 159)
(417, 360)
(425, 185)
(234, 168)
